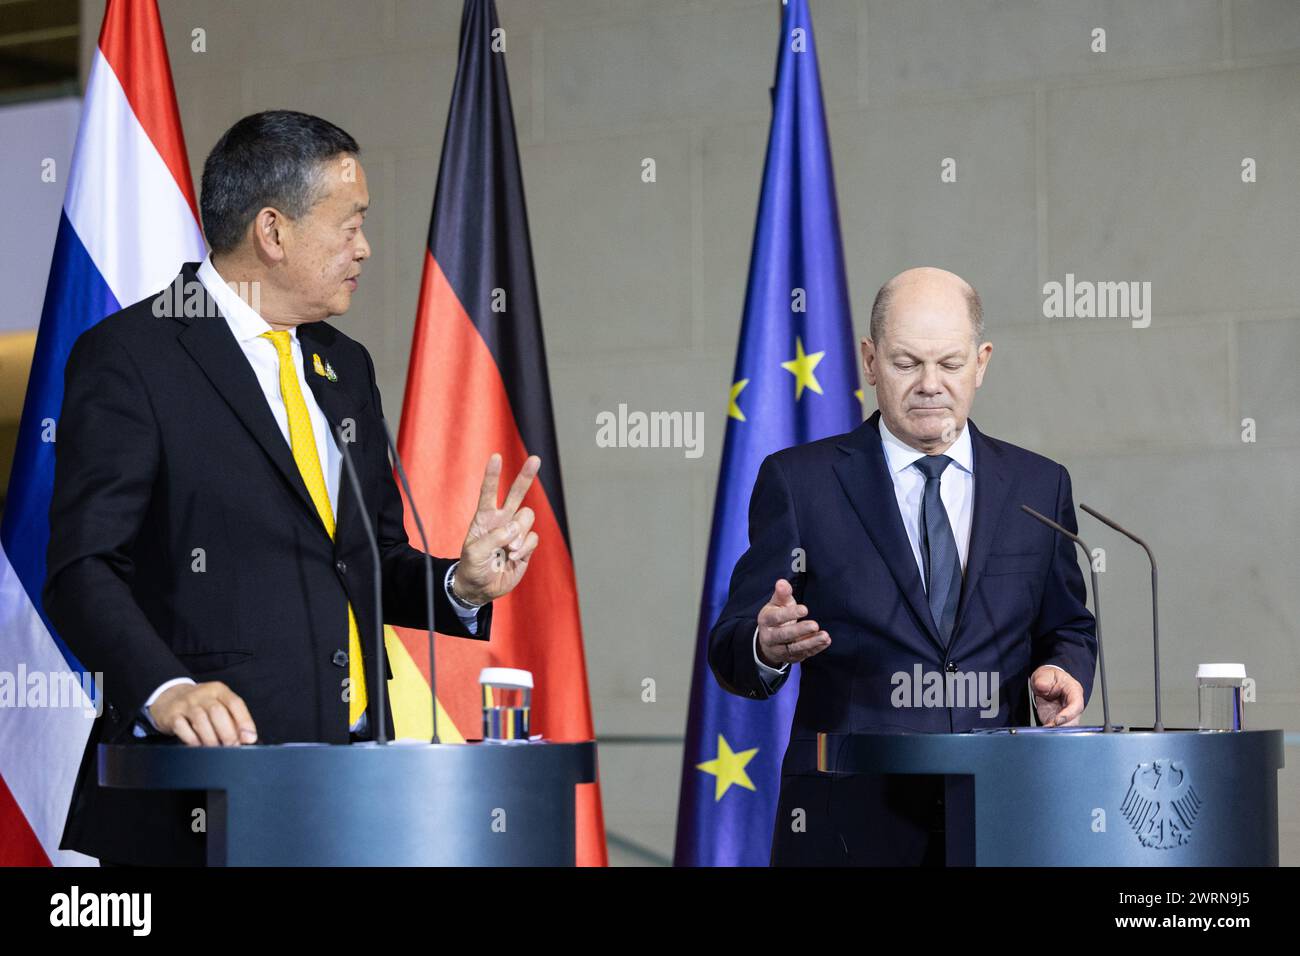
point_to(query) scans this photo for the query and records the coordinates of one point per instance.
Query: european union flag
(796, 381)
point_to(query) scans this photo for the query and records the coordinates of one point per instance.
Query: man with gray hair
(206, 554)
(917, 562)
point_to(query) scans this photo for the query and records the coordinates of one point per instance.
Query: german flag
(477, 384)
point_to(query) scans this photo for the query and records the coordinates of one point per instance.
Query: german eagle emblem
(1161, 805)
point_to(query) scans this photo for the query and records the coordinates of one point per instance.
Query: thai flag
(129, 220)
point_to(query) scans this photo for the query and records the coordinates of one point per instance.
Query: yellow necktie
(303, 440)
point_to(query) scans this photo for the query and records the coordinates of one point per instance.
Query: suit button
(340, 659)
(341, 567)
(950, 667)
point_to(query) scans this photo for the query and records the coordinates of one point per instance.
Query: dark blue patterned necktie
(938, 548)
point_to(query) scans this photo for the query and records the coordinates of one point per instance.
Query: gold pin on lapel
(316, 363)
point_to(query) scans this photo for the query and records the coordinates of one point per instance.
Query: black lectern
(1070, 796)
(416, 804)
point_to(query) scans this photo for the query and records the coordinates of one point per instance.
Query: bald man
(923, 598)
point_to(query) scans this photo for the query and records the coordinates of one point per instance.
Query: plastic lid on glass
(1221, 671)
(514, 677)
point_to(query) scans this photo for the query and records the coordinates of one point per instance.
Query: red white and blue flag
(129, 220)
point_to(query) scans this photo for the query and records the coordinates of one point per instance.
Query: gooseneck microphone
(1155, 607)
(379, 692)
(428, 572)
(1096, 610)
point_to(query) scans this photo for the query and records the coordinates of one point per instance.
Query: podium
(403, 804)
(1079, 797)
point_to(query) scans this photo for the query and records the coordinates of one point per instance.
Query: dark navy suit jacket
(1022, 606)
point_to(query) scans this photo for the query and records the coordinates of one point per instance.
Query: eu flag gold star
(728, 767)
(733, 410)
(801, 367)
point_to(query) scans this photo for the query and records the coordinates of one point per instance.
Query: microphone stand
(1096, 607)
(428, 574)
(380, 692)
(1155, 607)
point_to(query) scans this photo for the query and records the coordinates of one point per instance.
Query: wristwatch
(456, 599)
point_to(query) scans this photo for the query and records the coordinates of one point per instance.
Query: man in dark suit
(206, 553)
(940, 606)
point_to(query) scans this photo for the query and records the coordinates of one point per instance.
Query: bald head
(925, 357)
(927, 288)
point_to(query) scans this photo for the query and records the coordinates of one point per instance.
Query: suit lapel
(209, 341)
(993, 485)
(864, 475)
(339, 410)
(211, 344)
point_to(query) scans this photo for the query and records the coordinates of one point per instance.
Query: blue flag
(796, 381)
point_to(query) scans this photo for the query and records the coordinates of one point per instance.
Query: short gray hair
(974, 308)
(268, 159)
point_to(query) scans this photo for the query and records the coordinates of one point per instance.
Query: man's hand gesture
(783, 637)
(500, 540)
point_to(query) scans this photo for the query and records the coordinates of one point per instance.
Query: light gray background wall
(1124, 165)
(29, 218)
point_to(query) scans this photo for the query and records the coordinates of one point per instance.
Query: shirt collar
(900, 455)
(242, 318)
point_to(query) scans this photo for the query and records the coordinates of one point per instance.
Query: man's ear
(869, 361)
(267, 239)
(982, 361)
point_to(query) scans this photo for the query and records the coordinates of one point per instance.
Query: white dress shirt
(956, 490)
(247, 327)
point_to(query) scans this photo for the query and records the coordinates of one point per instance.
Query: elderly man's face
(325, 247)
(927, 366)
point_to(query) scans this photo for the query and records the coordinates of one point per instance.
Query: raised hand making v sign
(500, 540)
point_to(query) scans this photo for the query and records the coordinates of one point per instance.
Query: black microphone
(379, 692)
(428, 571)
(1096, 610)
(1155, 607)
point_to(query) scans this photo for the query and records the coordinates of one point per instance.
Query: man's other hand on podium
(1058, 697)
(206, 715)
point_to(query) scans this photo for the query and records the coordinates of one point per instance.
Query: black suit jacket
(184, 543)
(1022, 606)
